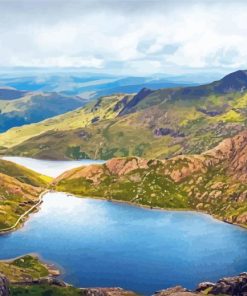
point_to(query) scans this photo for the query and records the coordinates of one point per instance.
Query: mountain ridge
(151, 124)
(213, 182)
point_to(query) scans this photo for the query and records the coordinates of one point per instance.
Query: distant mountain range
(150, 124)
(88, 86)
(20, 107)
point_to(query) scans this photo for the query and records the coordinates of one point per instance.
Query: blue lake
(52, 168)
(100, 243)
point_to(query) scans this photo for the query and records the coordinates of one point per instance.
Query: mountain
(19, 191)
(8, 93)
(214, 182)
(86, 85)
(101, 110)
(151, 124)
(33, 107)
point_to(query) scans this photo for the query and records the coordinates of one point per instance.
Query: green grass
(43, 290)
(74, 135)
(209, 188)
(19, 191)
(25, 268)
(23, 174)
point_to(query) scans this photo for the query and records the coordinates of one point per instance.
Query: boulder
(234, 286)
(106, 292)
(175, 291)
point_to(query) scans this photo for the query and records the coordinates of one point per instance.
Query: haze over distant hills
(93, 85)
(29, 96)
(152, 124)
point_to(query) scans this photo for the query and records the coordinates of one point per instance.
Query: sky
(125, 37)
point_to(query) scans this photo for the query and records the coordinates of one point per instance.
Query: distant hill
(86, 85)
(24, 108)
(10, 93)
(151, 124)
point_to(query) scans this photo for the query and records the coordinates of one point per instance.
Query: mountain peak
(144, 92)
(236, 81)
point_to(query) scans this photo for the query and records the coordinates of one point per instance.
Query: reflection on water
(101, 243)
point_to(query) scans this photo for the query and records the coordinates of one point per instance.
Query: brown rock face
(233, 286)
(4, 286)
(176, 291)
(187, 165)
(233, 151)
(122, 166)
(242, 219)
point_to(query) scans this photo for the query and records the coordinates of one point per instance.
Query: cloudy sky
(128, 36)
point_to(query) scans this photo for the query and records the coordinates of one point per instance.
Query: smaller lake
(107, 244)
(52, 168)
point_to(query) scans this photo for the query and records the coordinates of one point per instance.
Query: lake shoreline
(21, 220)
(83, 243)
(25, 216)
(154, 208)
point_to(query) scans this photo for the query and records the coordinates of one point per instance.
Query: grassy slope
(191, 129)
(41, 290)
(25, 268)
(202, 182)
(152, 124)
(19, 191)
(34, 107)
(101, 110)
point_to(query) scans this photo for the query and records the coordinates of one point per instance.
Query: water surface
(100, 243)
(52, 168)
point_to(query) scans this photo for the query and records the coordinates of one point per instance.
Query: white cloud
(138, 36)
(59, 62)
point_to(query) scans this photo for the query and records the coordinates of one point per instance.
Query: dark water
(99, 243)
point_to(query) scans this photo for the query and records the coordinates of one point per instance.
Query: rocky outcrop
(232, 151)
(143, 93)
(229, 286)
(213, 182)
(4, 286)
(122, 166)
(106, 292)
(234, 286)
(159, 132)
(176, 291)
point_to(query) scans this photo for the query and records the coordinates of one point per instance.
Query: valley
(179, 150)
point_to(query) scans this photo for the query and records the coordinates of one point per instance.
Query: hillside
(19, 191)
(9, 93)
(150, 124)
(103, 109)
(33, 107)
(214, 182)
